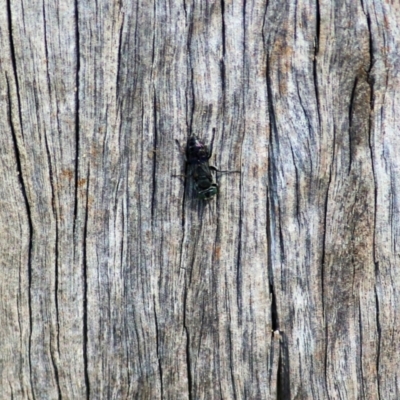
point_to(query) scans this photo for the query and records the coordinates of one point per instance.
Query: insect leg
(225, 172)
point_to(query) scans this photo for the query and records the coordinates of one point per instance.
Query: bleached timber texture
(117, 283)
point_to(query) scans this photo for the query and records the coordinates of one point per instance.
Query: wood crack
(159, 356)
(27, 205)
(85, 328)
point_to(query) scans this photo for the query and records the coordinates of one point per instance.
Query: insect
(197, 156)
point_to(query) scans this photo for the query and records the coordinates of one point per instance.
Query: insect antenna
(212, 143)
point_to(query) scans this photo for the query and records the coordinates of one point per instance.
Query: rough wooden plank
(227, 312)
(117, 282)
(384, 25)
(298, 181)
(41, 73)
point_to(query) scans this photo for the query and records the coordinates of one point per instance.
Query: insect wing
(201, 174)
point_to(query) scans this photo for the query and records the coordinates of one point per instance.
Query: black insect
(197, 156)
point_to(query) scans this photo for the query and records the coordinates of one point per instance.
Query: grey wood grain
(117, 282)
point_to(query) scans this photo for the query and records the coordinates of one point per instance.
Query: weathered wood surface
(117, 283)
